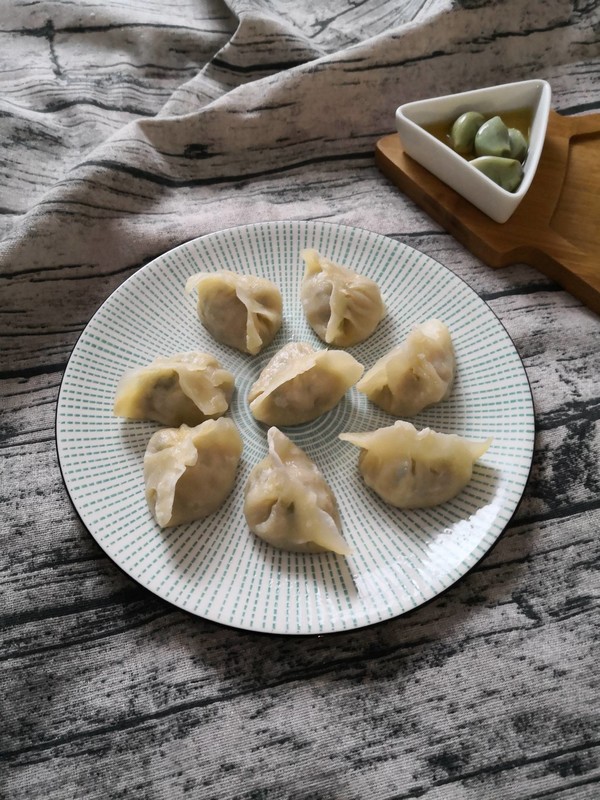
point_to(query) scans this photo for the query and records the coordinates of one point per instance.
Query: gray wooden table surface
(130, 127)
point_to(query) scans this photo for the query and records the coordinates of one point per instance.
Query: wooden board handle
(557, 226)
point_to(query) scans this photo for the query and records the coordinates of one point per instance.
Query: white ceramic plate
(215, 568)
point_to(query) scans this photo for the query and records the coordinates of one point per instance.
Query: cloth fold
(131, 126)
(266, 102)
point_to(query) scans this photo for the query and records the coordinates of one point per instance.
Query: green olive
(492, 139)
(506, 172)
(464, 129)
(518, 144)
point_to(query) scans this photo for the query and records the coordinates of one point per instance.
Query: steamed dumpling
(189, 472)
(288, 503)
(242, 311)
(300, 383)
(342, 307)
(415, 469)
(185, 388)
(414, 375)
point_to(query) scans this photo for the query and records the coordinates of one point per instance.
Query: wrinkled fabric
(127, 130)
(131, 126)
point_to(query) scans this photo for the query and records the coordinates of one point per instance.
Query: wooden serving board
(556, 228)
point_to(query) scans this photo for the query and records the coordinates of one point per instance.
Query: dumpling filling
(289, 504)
(341, 306)
(242, 311)
(409, 468)
(189, 472)
(414, 375)
(187, 388)
(300, 383)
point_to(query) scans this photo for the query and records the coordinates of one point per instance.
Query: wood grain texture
(131, 127)
(554, 228)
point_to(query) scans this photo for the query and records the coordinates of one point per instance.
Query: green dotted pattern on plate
(215, 568)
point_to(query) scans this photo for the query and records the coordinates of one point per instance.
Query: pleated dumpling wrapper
(414, 375)
(341, 306)
(300, 383)
(186, 388)
(189, 472)
(242, 311)
(288, 502)
(409, 468)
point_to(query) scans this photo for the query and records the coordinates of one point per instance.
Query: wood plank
(555, 228)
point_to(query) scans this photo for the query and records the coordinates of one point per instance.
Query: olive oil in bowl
(519, 118)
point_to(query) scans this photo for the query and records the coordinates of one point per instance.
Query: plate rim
(280, 632)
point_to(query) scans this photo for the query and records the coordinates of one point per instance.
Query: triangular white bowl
(452, 168)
